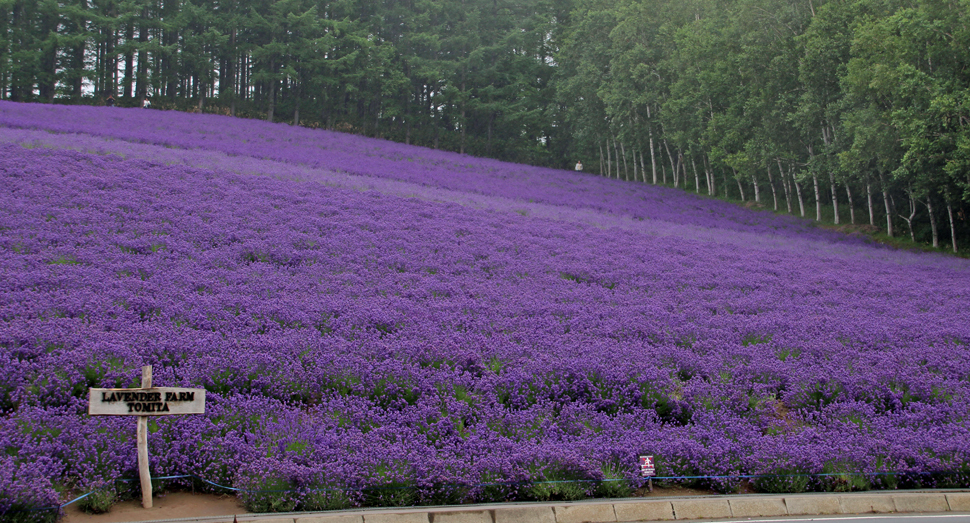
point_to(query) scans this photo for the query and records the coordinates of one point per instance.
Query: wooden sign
(144, 402)
(647, 468)
(156, 401)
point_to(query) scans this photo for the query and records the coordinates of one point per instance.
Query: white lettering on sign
(646, 466)
(157, 401)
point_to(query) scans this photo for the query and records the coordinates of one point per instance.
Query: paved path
(941, 502)
(948, 517)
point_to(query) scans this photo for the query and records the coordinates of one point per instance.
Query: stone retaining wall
(631, 510)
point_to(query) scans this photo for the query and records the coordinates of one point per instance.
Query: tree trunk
(232, 79)
(785, 185)
(129, 59)
(697, 179)
(835, 200)
(872, 210)
(885, 200)
(818, 199)
(711, 188)
(272, 101)
(377, 116)
(626, 168)
(789, 195)
(272, 92)
(912, 214)
(98, 74)
(757, 192)
(47, 75)
(670, 157)
(609, 160)
(112, 60)
(79, 79)
(953, 230)
(771, 182)
(601, 158)
(462, 122)
(848, 196)
(827, 140)
(616, 156)
(635, 166)
(643, 168)
(653, 158)
(801, 200)
(929, 210)
(170, 38)
(674, 166)
(296, 112)
(740, 187)
(683, 167)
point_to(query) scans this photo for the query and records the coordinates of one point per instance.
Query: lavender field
(377, 324)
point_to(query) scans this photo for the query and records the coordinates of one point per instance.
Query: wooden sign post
(144, 402)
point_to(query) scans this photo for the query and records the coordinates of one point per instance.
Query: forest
(842, 111)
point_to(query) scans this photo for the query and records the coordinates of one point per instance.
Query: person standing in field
(579, 165)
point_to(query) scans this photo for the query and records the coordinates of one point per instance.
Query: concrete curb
(635, 509)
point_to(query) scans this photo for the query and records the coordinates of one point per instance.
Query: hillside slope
(428, 343)
(359, 155)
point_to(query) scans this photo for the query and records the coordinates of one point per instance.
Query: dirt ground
(164, 506)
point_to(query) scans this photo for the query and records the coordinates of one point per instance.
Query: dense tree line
(847, 111)
(818, 108)
(468, 75)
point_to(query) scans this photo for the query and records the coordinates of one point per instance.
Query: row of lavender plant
(380, 158)
(219, 161)
(364, 348)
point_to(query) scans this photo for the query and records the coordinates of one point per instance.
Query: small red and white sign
(647, 468)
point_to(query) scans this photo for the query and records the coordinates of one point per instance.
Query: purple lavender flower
(418, 331)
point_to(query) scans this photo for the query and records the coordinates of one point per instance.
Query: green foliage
(557, 482)
(842, 480)
(269, 495)
(613, 488)
(556, 490)
(391, 494)
(495, 364)
(755, 339)
(63, 260)
(957, 475)
(781, 481)
(614, 484)
(99, 501)
(23, 514)
(322, 498)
